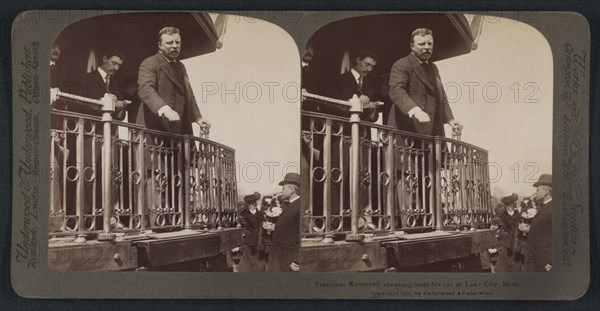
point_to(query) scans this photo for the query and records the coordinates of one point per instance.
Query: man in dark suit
(357, 82)
(308, 76)
(168, 102)
(419, 105)
(538, 256)
(55, 73)
(103, 81)
(417, 92)
(168, 105)
(354, 82)
(284, 255)
(95, 85)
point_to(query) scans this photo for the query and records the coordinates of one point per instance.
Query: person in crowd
(285, 248)
(526, 211)
(506, 236)
(538, 257)
(251, 217)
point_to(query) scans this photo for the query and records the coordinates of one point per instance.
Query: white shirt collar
(420, 61)
(355, 74)
(102, 73)
(52, 63)
(547, 200)
(294, 199)
(167, 59)
(304, 64)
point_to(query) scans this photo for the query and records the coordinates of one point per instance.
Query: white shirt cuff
(412, 112)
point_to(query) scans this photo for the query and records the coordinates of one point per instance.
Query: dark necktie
(177, 70)
(175, 67)
(107, 81)
(427, 68)
(360, 83)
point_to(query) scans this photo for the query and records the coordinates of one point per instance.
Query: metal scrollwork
(117, 176)
(160, 180)
(455, 183)
(203, 182)
(411, 182)
(365, 177)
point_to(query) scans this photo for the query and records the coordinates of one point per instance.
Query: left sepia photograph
(174, 145)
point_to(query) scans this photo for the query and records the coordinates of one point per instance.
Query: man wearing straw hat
(285, 248)
(538, 257)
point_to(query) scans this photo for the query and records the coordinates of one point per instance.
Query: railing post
(389, 170)
(187, 210)
(219, 192)
(141, 169)
(354, 169)
(107, 109)
(438, 184)
(80, 187)
(327, 178)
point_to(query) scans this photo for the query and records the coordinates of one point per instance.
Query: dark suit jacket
(158, 86)
(409, 87)
(344, 87)
(253, 224)
(539, 240)
(308, 79)
(285, 247)
(56, 76)
(510, 225)
(93, 86)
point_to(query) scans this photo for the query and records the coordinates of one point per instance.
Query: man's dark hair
(110, 52)
(362, 54)
(420, 32)
(167, 31)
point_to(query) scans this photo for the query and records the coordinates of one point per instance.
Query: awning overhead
(136, 36)
(388, 35)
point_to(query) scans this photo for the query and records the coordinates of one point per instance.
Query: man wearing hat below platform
(285, 248)
(538, 257)
(510, 220)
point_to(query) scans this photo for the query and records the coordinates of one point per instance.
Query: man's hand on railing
(204, 125)
(122, 104)
(422, 116)
(364, 100)
(295, 267)
(54, 94)
(455, 124)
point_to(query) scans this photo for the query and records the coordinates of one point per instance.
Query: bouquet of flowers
(272, 210)
(527, 217)
(528, 211)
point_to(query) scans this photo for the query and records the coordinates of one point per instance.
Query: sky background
(249, 91)
(501, 92)
(514, 126)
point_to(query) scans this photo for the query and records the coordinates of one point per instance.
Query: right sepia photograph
(426, 145)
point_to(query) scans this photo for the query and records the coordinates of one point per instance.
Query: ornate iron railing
(143, 179)
(364, 177)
